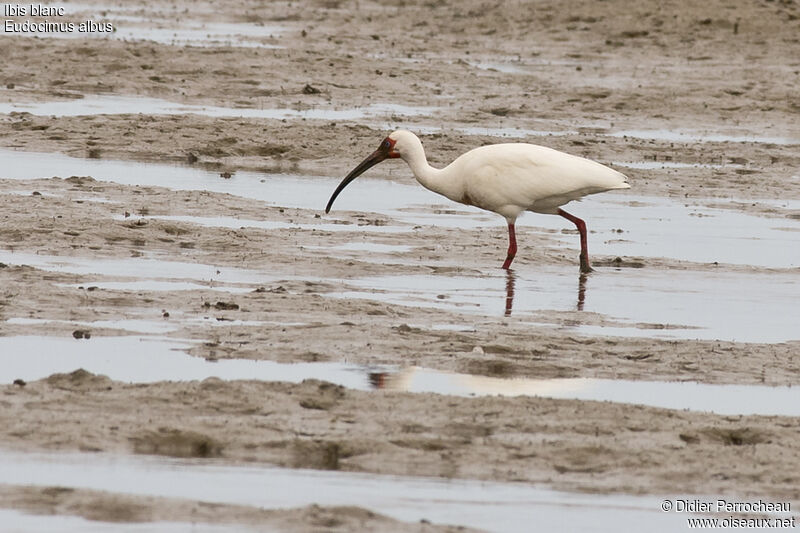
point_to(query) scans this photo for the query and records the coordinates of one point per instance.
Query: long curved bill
(376, 157)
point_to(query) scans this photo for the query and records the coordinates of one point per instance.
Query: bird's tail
(623, 183)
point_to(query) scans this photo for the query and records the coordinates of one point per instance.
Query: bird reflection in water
(379, 380)
(511, 281)
(417, 379)
(581, 291)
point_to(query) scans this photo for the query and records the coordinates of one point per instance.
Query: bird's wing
(532, 177)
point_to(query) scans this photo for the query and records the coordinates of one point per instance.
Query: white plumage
(504, 178)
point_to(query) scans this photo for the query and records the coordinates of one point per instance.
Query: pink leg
(512, 247)
(585, 267)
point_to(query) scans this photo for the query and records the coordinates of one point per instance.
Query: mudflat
(696, 102)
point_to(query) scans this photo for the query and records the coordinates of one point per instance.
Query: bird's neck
(433, 179)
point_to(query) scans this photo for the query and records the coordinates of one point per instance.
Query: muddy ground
(590, 68)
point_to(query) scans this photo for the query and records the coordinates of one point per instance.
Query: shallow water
(208, 34)
(138, 359)
(692, 396)
(166, 25)
(274, 189)
(687, 231)
(650, 165)
(625, 226)
(639, 302)
(496, 507)
(118, 105)
(504, 132)
(138, 267)
(147, 359)
(133, 325)
(238, 223)
(122, 104)
(691, 136)
(143, 285)
(192, 34)
(651, 227)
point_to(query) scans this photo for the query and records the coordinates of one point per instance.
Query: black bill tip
(373, 159)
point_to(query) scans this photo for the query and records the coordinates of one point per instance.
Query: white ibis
(504, 178)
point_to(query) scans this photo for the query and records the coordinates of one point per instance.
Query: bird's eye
(387, 144)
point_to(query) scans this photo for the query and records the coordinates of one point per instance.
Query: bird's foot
(585, 267)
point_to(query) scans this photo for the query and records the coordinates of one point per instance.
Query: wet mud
(171, 286)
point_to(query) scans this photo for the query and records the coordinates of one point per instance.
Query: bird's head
(398, 144)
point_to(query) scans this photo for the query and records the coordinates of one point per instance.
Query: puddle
(214, 322)
(132, 325)
(652, 165)
(688, 231)
(491, 506)
(118, 105)
(137, 359)
(143, 285)
(238, 223)
(158, 325)
(208, 34)
(674, 304)
(512, 132)
(30, 193)
(274, 189)
(689, 137)
(136, 268)
(90, 199)
(165, 26)
(505, 68)
(517, 65)
(79, 200)
(446, 327)
(782, 203)
(691, 396)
